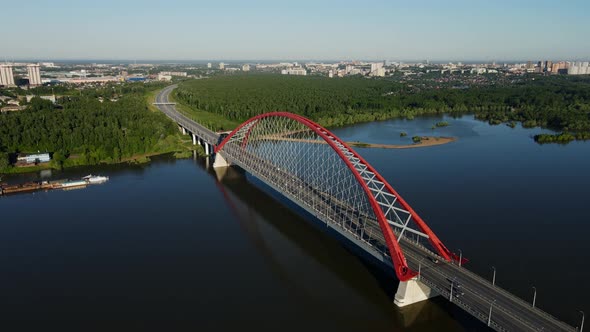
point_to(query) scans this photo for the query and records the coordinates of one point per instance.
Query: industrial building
(32, 158)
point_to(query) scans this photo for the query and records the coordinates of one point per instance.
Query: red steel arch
(402, 270)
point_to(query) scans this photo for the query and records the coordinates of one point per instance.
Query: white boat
(95, 179)
(72, 184)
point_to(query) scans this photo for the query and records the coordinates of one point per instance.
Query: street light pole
(419, 269)
(534, 296)
(460, 257)
(451, 293)
(494, 276)
(490, 314)
(582, 326)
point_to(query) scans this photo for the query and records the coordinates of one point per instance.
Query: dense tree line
(84, 128)
(561, 103)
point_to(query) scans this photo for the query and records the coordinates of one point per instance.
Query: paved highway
(163, 103)
(471, 292)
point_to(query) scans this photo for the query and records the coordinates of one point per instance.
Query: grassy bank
(210, 120)
(178, 145)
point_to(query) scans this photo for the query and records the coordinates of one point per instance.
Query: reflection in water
(288, 243)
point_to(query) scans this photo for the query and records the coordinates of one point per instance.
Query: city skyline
(376, 30)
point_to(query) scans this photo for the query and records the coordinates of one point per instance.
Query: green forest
(81, 130)
(559, 102)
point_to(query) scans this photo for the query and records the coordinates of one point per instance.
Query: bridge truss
(306, 161)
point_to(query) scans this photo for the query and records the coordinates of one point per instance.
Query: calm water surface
(175, 245)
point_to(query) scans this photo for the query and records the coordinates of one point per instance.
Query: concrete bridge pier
(195, 139)
(220, 161)
(183, 131)
(412, 291)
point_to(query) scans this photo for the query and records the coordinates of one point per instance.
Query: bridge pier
(412, 291)
(207, 148)
(220, 161)
(194, 139)
(183, 131)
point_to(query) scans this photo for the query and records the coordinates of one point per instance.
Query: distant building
(330, 74)
(33, 158)
(578, 68)
(221, 66)
(34, 75)
(6, 76)
(162, 77)
(209, 65)
(548, 65)
(529, 65)
(377, 69)
(559, 67)
(12, 108)
(294, 71)
(136, 79)
(85, 80)
(51, 98)
(48, 64)
(376, 65)
(246, 67)
(174, 73)
(478, 70)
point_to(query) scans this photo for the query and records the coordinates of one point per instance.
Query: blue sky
(456, 30)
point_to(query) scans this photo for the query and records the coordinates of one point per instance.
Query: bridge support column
(194, 139)
(412, 291)
(220, 161)
(183, 131)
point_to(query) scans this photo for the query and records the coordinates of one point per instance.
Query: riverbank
(180, 150)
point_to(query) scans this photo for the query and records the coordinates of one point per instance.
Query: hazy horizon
(182, 30)
(251, 61)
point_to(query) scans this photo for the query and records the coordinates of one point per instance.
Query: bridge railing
(210, 136)
(486, 299)
(480, 314)
(514, 298)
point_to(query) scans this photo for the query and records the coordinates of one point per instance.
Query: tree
(58, 159)
(4, 161)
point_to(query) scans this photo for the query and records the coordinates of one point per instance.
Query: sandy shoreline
(426, 141)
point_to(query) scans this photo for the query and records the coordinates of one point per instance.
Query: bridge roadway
(508, 312)
(168, 108)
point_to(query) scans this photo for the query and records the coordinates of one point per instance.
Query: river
(174, 244)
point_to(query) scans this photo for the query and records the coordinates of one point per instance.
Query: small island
(423, 141)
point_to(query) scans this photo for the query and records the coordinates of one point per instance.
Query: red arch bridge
(325, 177)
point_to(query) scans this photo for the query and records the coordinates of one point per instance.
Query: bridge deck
(509, 313)
(168, 108)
